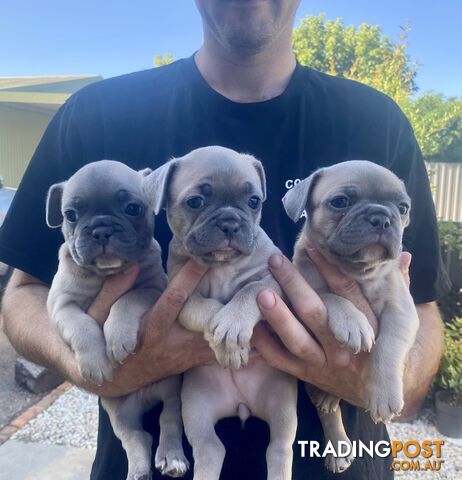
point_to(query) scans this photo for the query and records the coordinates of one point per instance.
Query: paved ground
(71, 421)
(13, 399)
(35, 461)
(21, 460)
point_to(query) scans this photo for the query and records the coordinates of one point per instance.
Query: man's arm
(424, 358)
(165, 347)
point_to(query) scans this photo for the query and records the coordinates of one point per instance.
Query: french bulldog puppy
(108, 227)
(356, 213)
(213, 197)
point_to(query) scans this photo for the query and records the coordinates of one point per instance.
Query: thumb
(179, 289)
(404, 263)
(113, 288)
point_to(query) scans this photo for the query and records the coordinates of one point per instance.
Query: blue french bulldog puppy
(108, 225)
(356, 213)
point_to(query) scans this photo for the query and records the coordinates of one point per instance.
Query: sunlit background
(56, 37)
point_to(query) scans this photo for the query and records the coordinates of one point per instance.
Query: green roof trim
(66, 86)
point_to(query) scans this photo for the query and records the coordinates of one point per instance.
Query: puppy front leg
(198, 311)
(86, 339)
(122, 326)
(349, 325)
(230, 330)
(384, 390)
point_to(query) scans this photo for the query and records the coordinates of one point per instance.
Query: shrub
(449, 375)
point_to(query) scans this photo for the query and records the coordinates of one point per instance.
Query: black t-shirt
(145, 118)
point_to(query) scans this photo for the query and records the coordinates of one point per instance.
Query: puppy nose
(230, 224)
(379, 221)
(102, 234)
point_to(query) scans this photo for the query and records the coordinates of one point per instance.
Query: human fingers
(113, 288)
(179, 289)
(306, 303)
(293, 334)
(275, 355)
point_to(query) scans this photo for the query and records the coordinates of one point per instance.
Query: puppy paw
(384, 399)
(141, 475)
(172, 463)
(352, 330)
(95, 367)
(231, 356)
(338, 464)
(229, 337)
(323, 401)
(121, 340)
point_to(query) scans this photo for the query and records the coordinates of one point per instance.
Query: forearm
(30, 331)
(424, 357)
(28, 328)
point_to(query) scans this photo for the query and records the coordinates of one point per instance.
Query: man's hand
(311, 352)
(165, 348)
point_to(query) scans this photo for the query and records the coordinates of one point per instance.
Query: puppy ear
(54, 217)
(261, 173)
(155, 185)
(296, 199)
(145, 172)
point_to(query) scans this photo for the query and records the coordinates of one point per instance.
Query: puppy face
(104, 214)
(356, 213)
(213, 198)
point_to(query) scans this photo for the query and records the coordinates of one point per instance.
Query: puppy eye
(71, 216)
(254, 202)
(340, 201)
(133, 209)
(403, 208)
(195, 202)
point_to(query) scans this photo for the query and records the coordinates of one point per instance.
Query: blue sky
(58, 37)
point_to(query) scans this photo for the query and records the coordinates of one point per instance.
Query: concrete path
(35, 461)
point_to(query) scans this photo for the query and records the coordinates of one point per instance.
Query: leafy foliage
(437, 124)
(360, 53)
(165, 59)
(449, 375)
(364, 54)
(451, 236)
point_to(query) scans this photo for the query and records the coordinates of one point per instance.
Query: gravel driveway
(73, 420)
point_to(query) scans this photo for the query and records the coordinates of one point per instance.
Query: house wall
(20, 133)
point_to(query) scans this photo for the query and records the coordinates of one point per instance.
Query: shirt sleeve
(26, 242)
(429, 280)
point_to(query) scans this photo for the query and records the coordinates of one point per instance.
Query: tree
(165, 59)
(437, 123)
(360, 53)
(364, 54)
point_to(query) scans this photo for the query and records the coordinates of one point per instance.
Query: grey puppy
(356, 214)
(108, 226)
(213, 198)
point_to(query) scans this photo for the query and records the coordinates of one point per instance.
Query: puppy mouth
(107, 260)
(377, 250)
(371, 253)
(223, 253)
